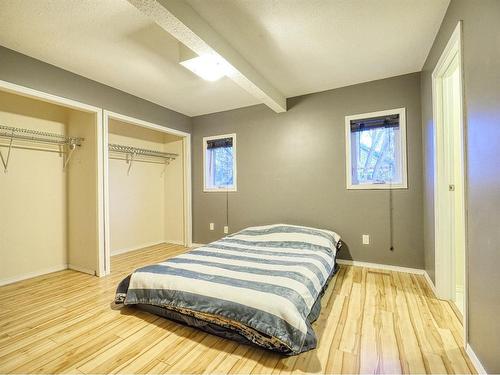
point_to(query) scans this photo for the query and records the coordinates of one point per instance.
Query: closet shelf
(38, 136)
(136, 151)
(133, 152)
(28, 135)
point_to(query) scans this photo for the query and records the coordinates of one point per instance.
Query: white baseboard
(136, 247)
(379, 266)
(81, 269)
(29, 275)
(431, 284)
(475, 361)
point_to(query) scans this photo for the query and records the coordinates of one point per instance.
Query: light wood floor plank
(371, 321)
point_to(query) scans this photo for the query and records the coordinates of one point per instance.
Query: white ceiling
(299, 46)
(306, 46)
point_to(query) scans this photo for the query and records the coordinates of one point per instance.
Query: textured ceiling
(306, 46)
(300, 46)
(110, 41)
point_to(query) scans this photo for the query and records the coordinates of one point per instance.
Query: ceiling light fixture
(208, 67)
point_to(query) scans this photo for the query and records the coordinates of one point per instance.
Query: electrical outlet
(226, 229)
(212, 226)
(366, 239)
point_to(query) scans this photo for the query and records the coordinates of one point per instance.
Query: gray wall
(27, 71)
(291, 168)
(481, 48)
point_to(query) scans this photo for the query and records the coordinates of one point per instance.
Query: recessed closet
(49, 188)
(146, 187)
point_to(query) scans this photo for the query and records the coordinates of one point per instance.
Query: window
(219, 163)
(376, 150)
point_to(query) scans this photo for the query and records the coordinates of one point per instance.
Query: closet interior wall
(83, 210)
(146, 203)
(48, 215)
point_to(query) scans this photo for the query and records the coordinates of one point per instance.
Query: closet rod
(33, 148)
(136, 151)
(139, 161)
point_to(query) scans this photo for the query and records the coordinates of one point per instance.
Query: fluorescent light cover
(208, 67)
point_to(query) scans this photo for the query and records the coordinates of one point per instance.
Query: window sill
(377, 187)
(219, 190)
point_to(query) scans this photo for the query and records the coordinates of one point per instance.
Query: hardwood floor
(372, 321)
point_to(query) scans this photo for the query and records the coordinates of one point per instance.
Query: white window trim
(235, 175)
(402, 146)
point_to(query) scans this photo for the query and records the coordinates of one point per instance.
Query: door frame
(444, 259)
(186, 137)
(73, 104)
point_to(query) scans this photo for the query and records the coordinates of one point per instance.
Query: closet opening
(50, 196)
(147, 184)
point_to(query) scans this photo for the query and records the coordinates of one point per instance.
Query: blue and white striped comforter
(261, 282)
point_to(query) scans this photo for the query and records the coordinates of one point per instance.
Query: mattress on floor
(262, 285)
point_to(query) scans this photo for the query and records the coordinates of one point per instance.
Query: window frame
(207, 189)
(402, 147)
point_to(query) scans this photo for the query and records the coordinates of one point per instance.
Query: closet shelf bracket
(71, 148)
(130, 161)
(5, 161)
(165, 168)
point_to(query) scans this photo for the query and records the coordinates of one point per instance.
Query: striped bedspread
(261, 282)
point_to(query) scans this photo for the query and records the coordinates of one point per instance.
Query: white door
(453, 180)
(449, 177)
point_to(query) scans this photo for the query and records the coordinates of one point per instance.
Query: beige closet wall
(83, 213)
(174, 193)
(136, 201)
(33, 233)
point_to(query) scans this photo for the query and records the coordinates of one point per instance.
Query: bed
(261, 286)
